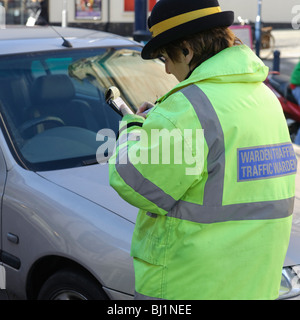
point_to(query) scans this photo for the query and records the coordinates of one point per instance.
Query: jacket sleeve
(147, 168)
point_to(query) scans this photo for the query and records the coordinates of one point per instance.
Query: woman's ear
(185, 51)
(188, 52)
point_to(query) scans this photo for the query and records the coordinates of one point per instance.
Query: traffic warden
(220, 232)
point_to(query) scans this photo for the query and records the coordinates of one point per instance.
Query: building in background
(115, 16)
(109, 15)
(118, 15)
(18, 11)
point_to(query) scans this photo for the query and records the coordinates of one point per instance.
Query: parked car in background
(65, 233)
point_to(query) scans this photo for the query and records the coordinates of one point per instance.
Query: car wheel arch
(45, 267)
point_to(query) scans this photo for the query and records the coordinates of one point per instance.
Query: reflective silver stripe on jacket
(242, 211)
(213, 134)
(140, 184)
(212, 210)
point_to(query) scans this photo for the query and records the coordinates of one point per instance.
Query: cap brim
(221, 19)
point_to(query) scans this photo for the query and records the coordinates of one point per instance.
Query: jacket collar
(235, 64)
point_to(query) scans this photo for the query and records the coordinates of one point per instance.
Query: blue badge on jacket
(263, 162)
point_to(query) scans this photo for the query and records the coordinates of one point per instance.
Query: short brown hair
(205, 44)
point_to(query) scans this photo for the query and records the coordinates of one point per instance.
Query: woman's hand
(144, 107)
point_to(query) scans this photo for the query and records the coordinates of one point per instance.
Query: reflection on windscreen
(53, 102)
(138, 80)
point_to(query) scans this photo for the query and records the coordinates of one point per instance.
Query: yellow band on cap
(182, 18)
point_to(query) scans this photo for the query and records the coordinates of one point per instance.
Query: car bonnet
(92, 183)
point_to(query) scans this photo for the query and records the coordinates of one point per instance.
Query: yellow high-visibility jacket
(215, 218)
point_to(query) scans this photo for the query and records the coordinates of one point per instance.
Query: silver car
(65, 234)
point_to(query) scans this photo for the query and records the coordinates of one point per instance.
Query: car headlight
(290, 282)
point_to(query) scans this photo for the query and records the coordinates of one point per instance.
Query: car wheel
(68, 284)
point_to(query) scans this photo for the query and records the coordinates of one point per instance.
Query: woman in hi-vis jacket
(211, 166)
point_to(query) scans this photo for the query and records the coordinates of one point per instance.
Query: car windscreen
(53, 105)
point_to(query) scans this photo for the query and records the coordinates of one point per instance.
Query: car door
(3, 172)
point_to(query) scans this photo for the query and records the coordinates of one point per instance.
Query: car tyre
(69, 284)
